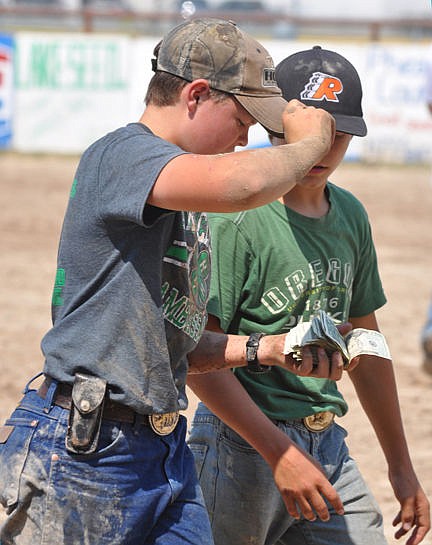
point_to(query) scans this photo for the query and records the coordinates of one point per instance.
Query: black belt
(112, 410)
(160, 423)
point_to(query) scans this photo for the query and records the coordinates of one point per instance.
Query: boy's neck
(309, 202)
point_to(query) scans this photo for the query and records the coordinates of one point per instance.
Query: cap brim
(350, 124)
(266, 110)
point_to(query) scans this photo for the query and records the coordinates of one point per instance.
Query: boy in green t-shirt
(274, 267)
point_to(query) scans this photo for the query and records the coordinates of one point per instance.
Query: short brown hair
(164, 90)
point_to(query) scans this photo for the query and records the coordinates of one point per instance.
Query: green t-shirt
(273, 268)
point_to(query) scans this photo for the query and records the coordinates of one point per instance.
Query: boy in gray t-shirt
(97, 453)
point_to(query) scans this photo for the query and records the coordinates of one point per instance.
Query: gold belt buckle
(164, 423)
(318, 421)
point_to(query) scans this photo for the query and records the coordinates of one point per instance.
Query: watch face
(253, 365)
(252, 348)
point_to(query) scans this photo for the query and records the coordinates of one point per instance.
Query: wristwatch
(253, 364)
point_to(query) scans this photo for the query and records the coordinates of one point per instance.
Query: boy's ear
(199, 89)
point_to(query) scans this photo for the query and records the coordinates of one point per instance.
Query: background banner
(71, 89)
(6, 90)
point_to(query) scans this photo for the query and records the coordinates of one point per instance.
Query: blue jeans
(137, 489)
(245, 505)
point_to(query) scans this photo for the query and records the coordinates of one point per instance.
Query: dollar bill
(366, 341)
(321, 331)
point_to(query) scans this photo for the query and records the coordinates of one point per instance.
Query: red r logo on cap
(322, 87)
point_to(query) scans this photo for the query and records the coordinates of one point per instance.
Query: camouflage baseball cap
(231, 61)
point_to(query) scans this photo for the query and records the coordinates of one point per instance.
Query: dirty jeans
(245, 506)
(137, 489)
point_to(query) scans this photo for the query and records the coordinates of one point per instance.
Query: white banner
(400, 123)
(70, 89)
(73, 88)
(394, 99)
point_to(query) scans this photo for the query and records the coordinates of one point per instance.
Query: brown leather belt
(162, 424)
(112, 410)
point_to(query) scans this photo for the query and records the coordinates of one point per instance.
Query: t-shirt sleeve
(230, 267)
(368, 294)
(127, 175)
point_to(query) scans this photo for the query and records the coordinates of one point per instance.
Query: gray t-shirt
(132, 280)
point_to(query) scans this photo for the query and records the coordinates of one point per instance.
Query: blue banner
(6, 89)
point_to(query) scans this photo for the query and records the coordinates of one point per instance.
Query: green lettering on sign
(44, 67)
(86, 65)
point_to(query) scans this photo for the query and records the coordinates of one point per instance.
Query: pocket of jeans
(199, 451)
(236, 442)
(111, 436)
(14, 448)
(341, 429)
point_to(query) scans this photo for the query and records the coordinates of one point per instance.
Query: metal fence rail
(264, 24)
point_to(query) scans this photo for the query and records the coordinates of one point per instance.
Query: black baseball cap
(324, 79)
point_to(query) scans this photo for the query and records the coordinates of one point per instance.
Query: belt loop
(49, 398)
(27, 386)
(135, 424)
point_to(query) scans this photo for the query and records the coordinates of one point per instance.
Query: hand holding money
(321, 331)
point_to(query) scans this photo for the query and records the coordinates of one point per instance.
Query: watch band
(253, 364)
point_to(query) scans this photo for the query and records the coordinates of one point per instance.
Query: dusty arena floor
(34, 192)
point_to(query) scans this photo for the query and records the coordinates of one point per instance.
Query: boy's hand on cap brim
(302, 122)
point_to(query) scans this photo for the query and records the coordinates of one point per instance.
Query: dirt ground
(34, 192)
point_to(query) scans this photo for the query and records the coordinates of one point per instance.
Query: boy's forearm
(297, 475)
(375, 386)
(230, 182)
(223, 394)
(217, 351)
(256, 177)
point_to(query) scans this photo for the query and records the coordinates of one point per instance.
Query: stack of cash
(321, 331)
